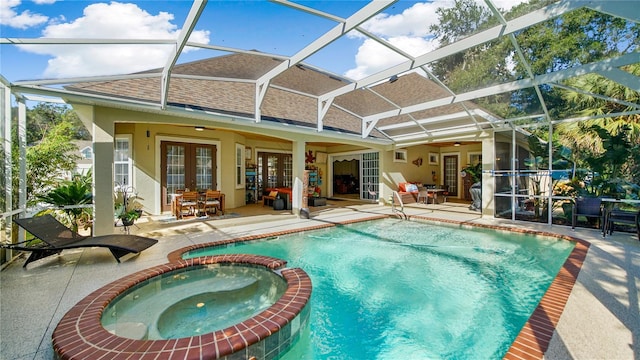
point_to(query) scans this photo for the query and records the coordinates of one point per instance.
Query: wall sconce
(199, 128)
(456, 143)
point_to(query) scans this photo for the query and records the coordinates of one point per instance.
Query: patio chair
(423, 195)
(444, 193)
(187, 204)
(271, 197)
(588, 208)
(211, 202)
(56, 237)
(617, 216)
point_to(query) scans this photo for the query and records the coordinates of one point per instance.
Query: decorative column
(103, 134)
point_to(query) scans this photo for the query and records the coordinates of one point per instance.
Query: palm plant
(72, 192)
(609, 165)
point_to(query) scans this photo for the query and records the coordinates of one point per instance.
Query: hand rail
(393, 206)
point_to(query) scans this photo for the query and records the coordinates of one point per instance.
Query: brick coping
(534, 337)
(80, 334)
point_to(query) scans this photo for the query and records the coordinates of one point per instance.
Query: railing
(393, 206)
(7, 235)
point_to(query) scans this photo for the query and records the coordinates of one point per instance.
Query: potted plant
(127, 207)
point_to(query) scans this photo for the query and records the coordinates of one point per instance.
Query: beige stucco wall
(427, 173)
(148, 130)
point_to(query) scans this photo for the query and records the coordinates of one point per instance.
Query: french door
(274, 170)
(451, 174)
(186, 166)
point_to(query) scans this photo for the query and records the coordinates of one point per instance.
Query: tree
(45, 116)
(578, 37)
(47, 161)
(609, 165)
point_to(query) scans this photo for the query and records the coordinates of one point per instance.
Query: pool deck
(601, 319)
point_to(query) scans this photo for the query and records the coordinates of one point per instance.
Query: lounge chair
(57, 237)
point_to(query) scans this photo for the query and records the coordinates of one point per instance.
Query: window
(475, 158)
(86, 153)
(122, 164)
(400, 156)
(240, 155)
(433, 158)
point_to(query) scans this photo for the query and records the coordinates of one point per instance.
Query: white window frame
(87, 150)
(400, 155)
(240, 168)
(471, 154)
(129, 162)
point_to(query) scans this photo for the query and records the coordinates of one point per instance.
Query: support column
(103, 135)
(488, 188)
(5, 130)
(298, 156)
(22, 157)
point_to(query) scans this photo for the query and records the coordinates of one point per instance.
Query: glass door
(274, 170)
(451, 174)
(186, 166)
(369, 176)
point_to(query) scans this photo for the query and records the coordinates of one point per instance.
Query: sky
(248, 25)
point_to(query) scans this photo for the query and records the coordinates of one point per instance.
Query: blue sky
(247, 25)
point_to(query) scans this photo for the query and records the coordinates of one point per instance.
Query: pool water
(393, 289)
(192, 301)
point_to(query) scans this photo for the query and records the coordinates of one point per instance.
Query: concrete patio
(601, 319)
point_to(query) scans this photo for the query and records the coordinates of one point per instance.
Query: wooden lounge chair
(57, 237)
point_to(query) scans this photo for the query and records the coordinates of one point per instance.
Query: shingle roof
(226, 85)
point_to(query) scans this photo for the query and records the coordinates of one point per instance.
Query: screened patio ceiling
(403, 104)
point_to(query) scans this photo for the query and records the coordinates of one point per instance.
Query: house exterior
(212, 133)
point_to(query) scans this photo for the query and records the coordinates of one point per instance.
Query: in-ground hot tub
(206, 307)
(193, 301)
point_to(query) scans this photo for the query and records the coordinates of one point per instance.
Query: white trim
(130, 161)
(337, 156)
(472, 153)
(239, 163)
(259, 150)
(157, 209)
(403, 158)
(441, 166)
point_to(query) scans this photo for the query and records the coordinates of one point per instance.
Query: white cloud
(23, 20)
(113, 20)
(414, 21)
(408, 31)
(373, 57)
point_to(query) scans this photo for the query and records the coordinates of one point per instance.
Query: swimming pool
(401, 289)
